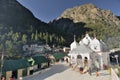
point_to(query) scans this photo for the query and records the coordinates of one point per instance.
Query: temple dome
(86, 40)
(95, 45)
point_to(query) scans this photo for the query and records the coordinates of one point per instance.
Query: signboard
(32, 61)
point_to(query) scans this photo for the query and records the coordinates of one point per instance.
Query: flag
(2, 57)
(31, 60)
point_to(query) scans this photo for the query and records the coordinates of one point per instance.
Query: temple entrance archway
(79, 57)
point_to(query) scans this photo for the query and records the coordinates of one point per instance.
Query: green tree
(32, 36)
(51, 38)
(8, 48)
(24, 38)
(36, 36)
(40, 35)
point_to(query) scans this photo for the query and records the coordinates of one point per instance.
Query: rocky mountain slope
(91, 19)
(89, 13)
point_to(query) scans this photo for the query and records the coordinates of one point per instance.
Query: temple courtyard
(62, 71)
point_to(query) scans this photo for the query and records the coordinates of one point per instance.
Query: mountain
(18, 27)
(15, 17)
(18, 18)
(91, 19)
(89, 13)
(118, 17)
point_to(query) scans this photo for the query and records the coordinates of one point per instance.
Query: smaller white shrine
(74, 44)
(94, 50)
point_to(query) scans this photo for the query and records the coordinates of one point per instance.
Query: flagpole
(1, 72)
(2, 57)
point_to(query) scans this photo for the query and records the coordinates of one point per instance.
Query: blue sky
(47, 10)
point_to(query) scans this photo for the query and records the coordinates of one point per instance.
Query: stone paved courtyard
(62, 71)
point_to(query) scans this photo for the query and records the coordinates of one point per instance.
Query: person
(12, 78)
(81, 70)
(66, 59)
(90, 71)
(97, 64)
(97, 74)
(3, 78)
(85, 62)
(72, 62)
(90, 67)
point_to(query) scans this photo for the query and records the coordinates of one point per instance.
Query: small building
(66, 49)
(57, 56)
(23, 67)
(41, 62)
(34, 49)
(14, 68)
(25, 47)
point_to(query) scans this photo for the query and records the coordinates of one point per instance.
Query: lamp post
(116, 56)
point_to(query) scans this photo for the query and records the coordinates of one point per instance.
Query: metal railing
(114, 76)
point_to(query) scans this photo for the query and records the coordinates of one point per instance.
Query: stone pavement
(62, 71)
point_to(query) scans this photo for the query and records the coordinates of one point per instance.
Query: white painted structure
(95, 50)
(74, 44)
(34, 48)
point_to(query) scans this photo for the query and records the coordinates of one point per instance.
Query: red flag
(2, 57)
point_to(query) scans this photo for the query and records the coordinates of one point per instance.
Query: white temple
(74, 44)
(94, 50)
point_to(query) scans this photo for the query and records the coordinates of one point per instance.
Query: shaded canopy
(58, 56)
(11, 65)
(40, 59)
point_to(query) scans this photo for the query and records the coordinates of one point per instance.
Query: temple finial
(94, 35)
(74, 37)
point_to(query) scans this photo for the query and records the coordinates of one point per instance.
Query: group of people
(84, 66)
(3, 78)
(11, 78)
